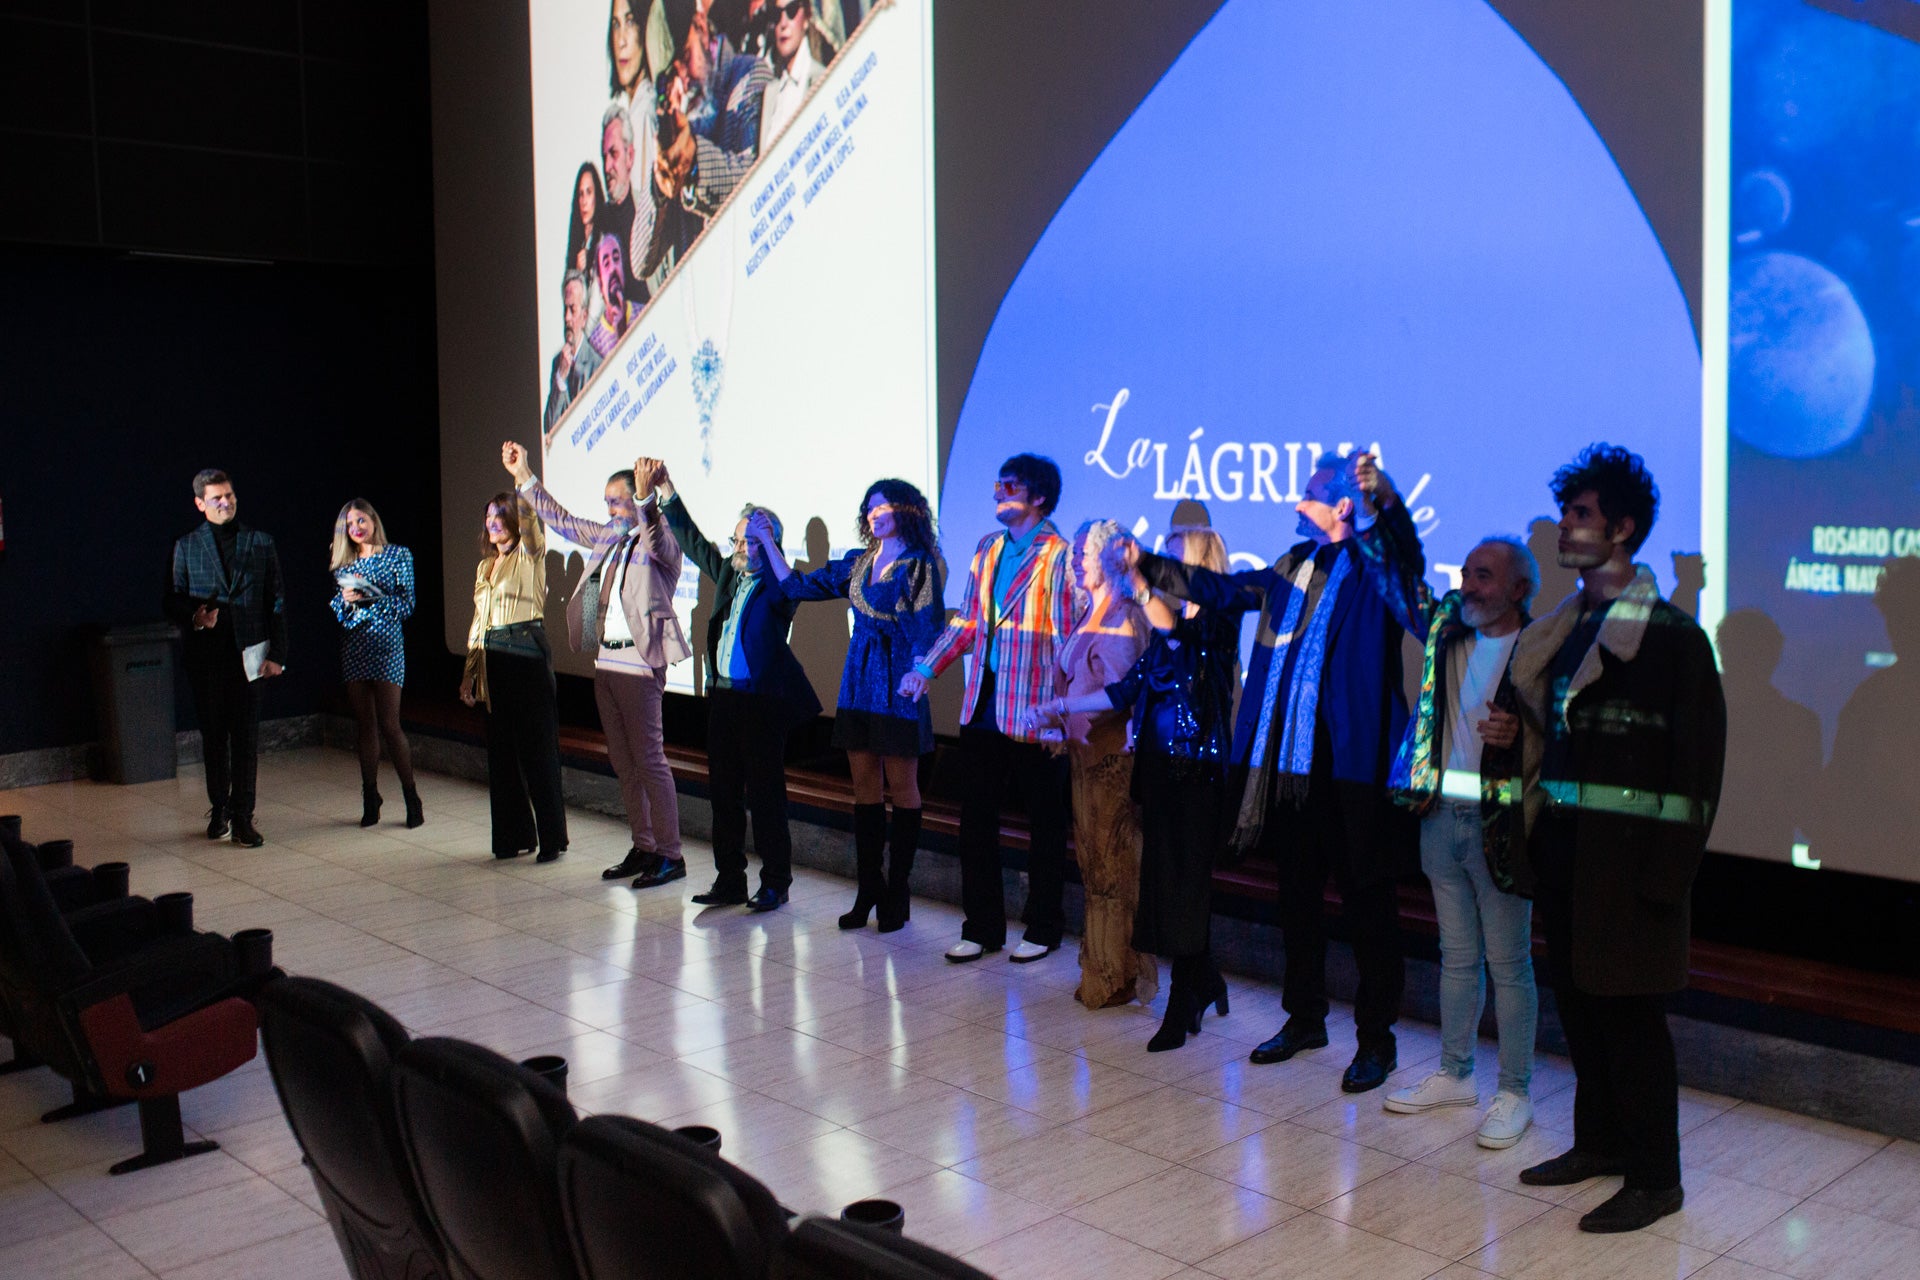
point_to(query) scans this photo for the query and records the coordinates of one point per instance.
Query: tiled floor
(1034, 1137)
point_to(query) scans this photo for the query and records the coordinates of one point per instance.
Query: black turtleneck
(226, 539)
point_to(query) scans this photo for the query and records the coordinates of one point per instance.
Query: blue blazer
(253, 596)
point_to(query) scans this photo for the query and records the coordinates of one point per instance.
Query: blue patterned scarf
(1293, 762)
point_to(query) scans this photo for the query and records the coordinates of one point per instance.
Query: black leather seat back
(482, 1136)
(331, 1054)
(48, 949)
(825, 1249)
(644, 1203)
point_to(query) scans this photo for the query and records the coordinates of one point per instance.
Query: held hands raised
(648, 474)
(514, 458)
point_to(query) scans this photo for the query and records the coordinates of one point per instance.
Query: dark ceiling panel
(196, 95)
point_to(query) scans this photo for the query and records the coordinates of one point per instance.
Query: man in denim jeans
(1456, 769)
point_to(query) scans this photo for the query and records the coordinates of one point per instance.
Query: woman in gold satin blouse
(510, 672)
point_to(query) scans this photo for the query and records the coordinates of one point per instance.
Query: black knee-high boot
(896, 906)
(869, 845)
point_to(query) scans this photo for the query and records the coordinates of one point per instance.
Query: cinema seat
(644, 1203)
(482, 1137)
(825, 1249)
(331, 1054)
(160, 1019)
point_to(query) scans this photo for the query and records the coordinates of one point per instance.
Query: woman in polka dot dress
(375, 596)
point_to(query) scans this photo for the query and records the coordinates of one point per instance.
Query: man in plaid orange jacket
(1018, 610)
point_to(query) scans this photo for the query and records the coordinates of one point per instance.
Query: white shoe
(963, 951)
(1028, 952)
(1506, 1120)
(1437, 1090)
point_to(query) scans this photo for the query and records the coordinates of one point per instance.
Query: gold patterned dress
(1106, 825)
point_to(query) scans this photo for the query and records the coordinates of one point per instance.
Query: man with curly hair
(1623, 733)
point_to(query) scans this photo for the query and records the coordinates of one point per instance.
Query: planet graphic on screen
(1799, 357)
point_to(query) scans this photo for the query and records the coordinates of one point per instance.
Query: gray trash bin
(133, 689)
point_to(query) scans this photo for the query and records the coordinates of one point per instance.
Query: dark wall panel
(205, 202)
(43, 76)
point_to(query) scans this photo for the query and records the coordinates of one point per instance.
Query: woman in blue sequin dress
(374, 596)
(897, 585)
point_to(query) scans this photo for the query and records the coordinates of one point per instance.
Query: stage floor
(1033, 1137)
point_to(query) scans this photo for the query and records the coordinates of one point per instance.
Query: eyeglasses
(787, 11)
(1005, 488)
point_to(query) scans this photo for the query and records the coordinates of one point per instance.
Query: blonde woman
(374, 596)
(1109, 633)
(1180, 694)
(510, 672)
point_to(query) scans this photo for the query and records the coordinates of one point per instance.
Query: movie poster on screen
(734, 220)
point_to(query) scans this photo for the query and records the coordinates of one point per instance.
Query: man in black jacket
(226, 593)
(757, 692)
(1623, 729)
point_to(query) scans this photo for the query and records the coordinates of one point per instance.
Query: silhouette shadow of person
(821, 629)
(1774, 745)
(1556, 583)
(564, 573)
(1870, 808)
(1689, 580)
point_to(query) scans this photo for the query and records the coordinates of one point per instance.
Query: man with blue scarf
(1322, 712)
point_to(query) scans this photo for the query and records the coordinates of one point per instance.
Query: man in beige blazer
(631, 558)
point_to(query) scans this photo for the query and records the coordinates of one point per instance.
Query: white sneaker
(963, 951)
(1506, 1120)
(1437, 1090)
(1028, 952)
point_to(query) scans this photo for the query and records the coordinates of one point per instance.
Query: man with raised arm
(623, 615)
(757, 693)
(1321, 713)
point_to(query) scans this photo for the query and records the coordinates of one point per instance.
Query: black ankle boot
(869, 845)
(896, 905)
(369, 805)
(1182, 1009)
(415, 815)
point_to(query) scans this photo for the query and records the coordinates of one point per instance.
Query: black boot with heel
(869, 849)
(369, 805)
(896, 904)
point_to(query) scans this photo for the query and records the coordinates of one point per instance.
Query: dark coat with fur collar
(1649, 734)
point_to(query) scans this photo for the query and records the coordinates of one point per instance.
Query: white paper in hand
(253, 658)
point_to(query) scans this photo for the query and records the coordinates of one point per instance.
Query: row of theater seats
(120, 996)
(440, 1158)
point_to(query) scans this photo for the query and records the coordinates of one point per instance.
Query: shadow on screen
(1870, 820)
(564, 575)
(1773, 744)
(1556, 584)
(820, 633)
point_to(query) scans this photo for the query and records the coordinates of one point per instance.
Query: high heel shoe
(369, 806)
(1216, 995)
(416, 816)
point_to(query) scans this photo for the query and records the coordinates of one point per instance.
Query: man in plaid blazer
(227, 594)
(1017, 612)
